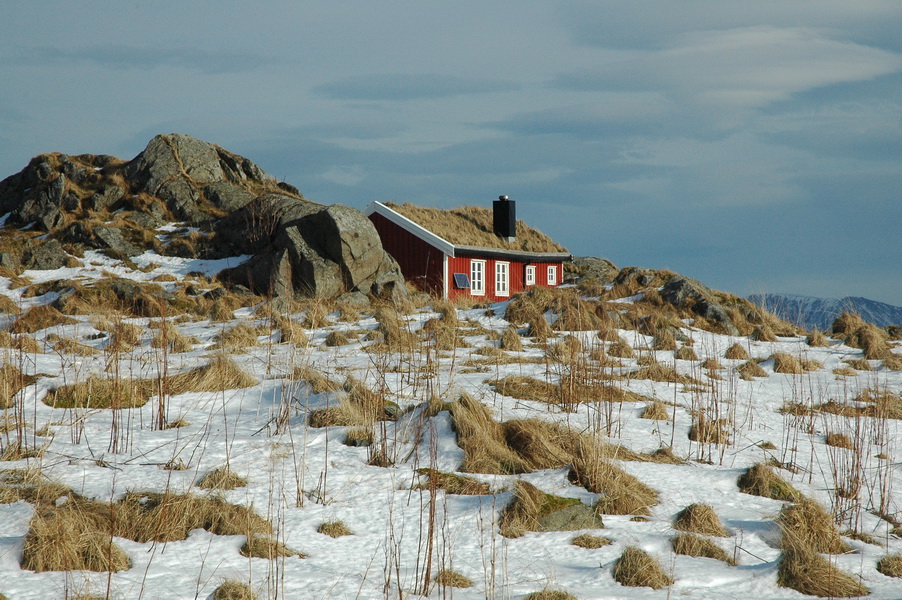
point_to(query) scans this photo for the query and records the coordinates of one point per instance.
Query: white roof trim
(411, 227)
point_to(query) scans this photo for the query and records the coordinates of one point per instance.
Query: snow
(299, 477)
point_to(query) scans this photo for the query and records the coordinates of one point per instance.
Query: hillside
(819, 313)
(594, 441)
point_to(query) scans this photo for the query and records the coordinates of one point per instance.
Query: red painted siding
(421, 263)
(516, 274)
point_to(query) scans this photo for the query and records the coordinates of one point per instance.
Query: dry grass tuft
(839, 440)
(817, 339)
(452, 483)
(124, 337)
(689, 544)
(12, 380)
(290, 330)
(685, 353)
(37, 318)
(453, 579)
(809, 573)
(231, 589)
(701, 519)
(334, 529)
(786, 363)
(736, 352)
(760, 480)
(860, 364)
(257, 546)
(102, 392)
(360, 406)
(806, 522)
(393, 330)
(657, 411)
(221, 479)
(550, 594)
(527, 508)
(482, 440)
(705, 431)
(67, 345)
(763, 333)
(174, 339)
(621, 493)
(621, 349)
(220, 374)
(890, 565)
(237, 338)
(8, 306)
(750, 369)
(510, 340)
(858, 334)
(665, 340)
(711, 364)
(590, 542)
(23, 343)
(338, 338)
(636, 568)
(659, 372)
(317, 382)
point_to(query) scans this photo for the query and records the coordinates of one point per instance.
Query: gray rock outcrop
(230, 205)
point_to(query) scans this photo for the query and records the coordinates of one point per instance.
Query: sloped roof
(471, 226)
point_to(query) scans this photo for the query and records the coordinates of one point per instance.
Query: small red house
(468, 252)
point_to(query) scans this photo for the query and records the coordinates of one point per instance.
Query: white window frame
(477, 277)
(502, 278)
(529, 278)
(552, 274)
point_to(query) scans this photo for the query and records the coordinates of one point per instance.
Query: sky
(754, 146)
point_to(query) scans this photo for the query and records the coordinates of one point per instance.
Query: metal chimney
(504, 218)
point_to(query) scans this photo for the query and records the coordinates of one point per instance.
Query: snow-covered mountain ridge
(819, 313)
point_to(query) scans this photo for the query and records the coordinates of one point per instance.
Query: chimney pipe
(504, 218)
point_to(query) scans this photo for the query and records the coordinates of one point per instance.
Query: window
(530, 278)
(477, 277)
(502, 285)
(552, 275)
(461, 281)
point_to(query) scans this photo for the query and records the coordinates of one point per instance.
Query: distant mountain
(810, 312)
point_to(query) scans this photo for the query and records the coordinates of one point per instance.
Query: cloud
(118, 56)
(747, 67)
(408, 87)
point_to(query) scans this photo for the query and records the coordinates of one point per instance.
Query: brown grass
(806, 522)
(760, 480)
(12, 380)
(8, 306)
(221, 479)
(23, 343)
(237, 338)
(750, 369)
(338, 338)
(510, 340)
(258, 546)
(893, 362)
(809, 573)
(621, 493)
(334, 529)
(686, 353)
(231, 589)
(174, 339)
(736, 352)
(449, 578)
(657, 411)
(527, 507)
(817, 339)
(701, 519)
(711, 364)
(839, 440)
(665, 341)
(890, 565)
(621, 349)
(124, 337)
(590, 542)
(706, 431)
(472, 226)
(360, 406)
(452, 483)
(689, 544)
(550, 594)
(290, 330)
(315, 379)
(37, 318)
(67, 345)
(636, 568)
(659, 372)
(763, 333)
(786, 363)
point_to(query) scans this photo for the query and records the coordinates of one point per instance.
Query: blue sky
(756, 146)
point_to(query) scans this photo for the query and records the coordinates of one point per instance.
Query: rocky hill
(819, 313)
(185, 197)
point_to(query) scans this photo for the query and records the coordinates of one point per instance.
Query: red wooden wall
(516, 273)
(420, 263)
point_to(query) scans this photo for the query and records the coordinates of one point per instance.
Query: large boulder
(306, 249)
(591, 267)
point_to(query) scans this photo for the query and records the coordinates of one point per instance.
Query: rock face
(102, 203)
(591, 267)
